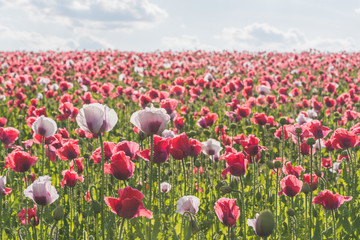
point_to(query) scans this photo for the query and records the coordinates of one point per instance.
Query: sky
(150, 25)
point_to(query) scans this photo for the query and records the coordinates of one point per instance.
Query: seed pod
(58, 213)
(270, 164)
(277, 164)
(95, 206)
(305, 188)
(310, 141)
(225, 189)
(265, 224)
(258, 196)
(283, 121)
(291, 212)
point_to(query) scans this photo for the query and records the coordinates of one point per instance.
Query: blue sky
(148, 25)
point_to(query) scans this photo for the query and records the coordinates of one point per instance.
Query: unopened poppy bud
(191, 134)
(194, 227)
(291, 212)
(248, 129)
(233, 184)
(318, 172)
(225, 189)
(310, 141)
(95, 206)
(271, 199)
(344, 153)
(285, 226)
(305, 188)
(258, 196)
(336, 114)
(270, 164)
(58, 213)
(207, 190)
(265, 224)
(141, 136)
(277, 164)
(221, 126)
(233, 126)
(315, 214)
(283, 121)
(8, 231)
(273, 130)
(207, 133)
(298, 130)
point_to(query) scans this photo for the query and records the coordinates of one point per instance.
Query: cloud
(185, 42)
(93, 14)
(258, 37)
(12, 39)
(357, 10)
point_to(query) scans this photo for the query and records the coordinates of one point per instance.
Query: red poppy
(8, 135)
(30, 215)
(161, 150)
(121, 167)
(291, 186)
(307, 179)
(179, 123)
(3, 121)
(70, 178)
(317, 130)
(130, 148)
(169, 105)
(235, 164)
(19, 161)
(329, 200)
(129, 204)
(251, 145)
(259, 119)
(326, 162)
(182, 147)
(79, 165)
(69, 150)
(288, 169)
(108, 152)
(227, 211)
(342, 139)
(208, 120)
(304, 149)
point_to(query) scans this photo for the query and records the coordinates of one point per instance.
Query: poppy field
(179, 145)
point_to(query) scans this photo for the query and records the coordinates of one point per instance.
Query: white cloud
(357, 10)
(12, 39)
(93, 14)
(257, 37)
(185, 42)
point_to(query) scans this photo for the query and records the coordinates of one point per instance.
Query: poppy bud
(285, 226)
(271, 199)
(305, 188)
(283, 121)
(248, 129)
(8, 231)
(219, 184)
(336, 114)
(197, 163)
(318, 172)
(207, 133)
(344, 153)
(221, 126)
(233, 126)
(277, 164)
(194, 227)
(225, 189)
(265, 224)
(141, 136)
(95, 206)
(270, 164)
(58, 213)
(291, 212)
(315, 214)
(90, 147)
(298, 130)
(310, 141)
(191, 134)
(258, 196)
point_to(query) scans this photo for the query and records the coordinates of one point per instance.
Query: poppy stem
(102, 187)
(334, 223)
(41, 221)
(122, 227)
(243, 206)
(25, 200)
(159, 187)
(43, 156)
(311, 189)
(151, 177)
(254, 184)
(1, 204)
(184, 170)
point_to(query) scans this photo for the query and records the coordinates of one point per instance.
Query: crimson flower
(329, 200)
(130, 148)
(19, 161)
(70, 178)
(235, 164)
(182, 147)
(161, 150)
(307, 179)
(121, 167)
(69, 150)
(317, 130)
(288, 169)
(108, 152)
(9, 135)
(129, 204)
(251, 145)
(208, 120)
(227, 211)
(30, 215)
(342, 139)
(260, 119)
(291, 186)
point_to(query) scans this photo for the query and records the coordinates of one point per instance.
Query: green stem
(43, 156)
(184, 170)
(243, 206)
(102, 188)
(311, 181)
(122, 227)
(41, 221)
(1, 204)
(254, 185)
(151, 176)
(334, 223)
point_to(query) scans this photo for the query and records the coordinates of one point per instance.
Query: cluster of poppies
(233, 137)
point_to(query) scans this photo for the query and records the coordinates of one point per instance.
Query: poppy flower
(4, 190)
(41, 191)
(251, 146)
(169, 105)
(188, 204)
(70, 178)
(121, 167)
(211, 147)
(291, 186)
(227, 211)
(288, 169)
(259, 119)
(108, 152)
(179, 123)
(44, 126)
(130, 148)
(342, 139)
(165, 187)
(329, 200)
(317, 130)
(182, 147)
(9, 135)
(236, 164)
(208, 120)
(307, 179)
(150, 120)
(79, 165)
(19, 161)
(30, 215)
(161, 150)
(69, 150)
(129, 204)
(326, 162)
(96, 118)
